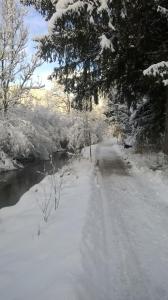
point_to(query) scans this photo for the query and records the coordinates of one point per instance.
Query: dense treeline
(104, 44)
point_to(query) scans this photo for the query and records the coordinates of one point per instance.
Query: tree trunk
(5, 103)
(166, 124)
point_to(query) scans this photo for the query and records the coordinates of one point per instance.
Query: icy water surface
(15, 183)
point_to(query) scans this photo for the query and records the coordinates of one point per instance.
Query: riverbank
(40, 246)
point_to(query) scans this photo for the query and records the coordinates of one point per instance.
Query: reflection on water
(15, 183)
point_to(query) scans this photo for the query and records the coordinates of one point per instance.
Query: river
(15, 183)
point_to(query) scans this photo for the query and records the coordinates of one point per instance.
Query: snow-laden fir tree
(158, 70)
(105, 43)
(80, 38)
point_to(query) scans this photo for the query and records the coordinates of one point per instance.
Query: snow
(6, 163)
(29, 133)
(91, 20)
(103, 5)
(63, 7)
(162, 10)
(125, 243)
(107, 240)
(159, 69)
(152, 165)
(41, 260)
(111, 26)
(106, 43)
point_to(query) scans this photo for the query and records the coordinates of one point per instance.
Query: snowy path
(125, 239)
(107, 241)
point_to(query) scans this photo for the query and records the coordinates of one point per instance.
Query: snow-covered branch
(15, 68)
(163, 11)
(160, 69)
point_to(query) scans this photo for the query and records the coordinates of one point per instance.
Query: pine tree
(100, 44)
(80, 39)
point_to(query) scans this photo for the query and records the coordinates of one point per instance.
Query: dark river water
(14, 184)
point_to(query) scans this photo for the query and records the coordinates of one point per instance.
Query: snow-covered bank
(152, 164)
(6, 163)
(38, 259)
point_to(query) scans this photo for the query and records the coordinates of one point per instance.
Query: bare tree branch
(15, 69)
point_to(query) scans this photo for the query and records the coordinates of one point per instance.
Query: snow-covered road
(125, 238)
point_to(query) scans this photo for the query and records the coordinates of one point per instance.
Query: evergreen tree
(81, 39)
(105, 43)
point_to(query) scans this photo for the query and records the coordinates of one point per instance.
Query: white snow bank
(153, 165)
(38, 259)
(6, 163)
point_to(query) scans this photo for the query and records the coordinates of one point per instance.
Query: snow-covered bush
(82, 128)
(27, 133)
(38, 132)
(13, 140)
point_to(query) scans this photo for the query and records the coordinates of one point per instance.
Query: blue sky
(37, 26)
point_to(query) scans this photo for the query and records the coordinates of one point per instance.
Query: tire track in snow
(94, 251)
